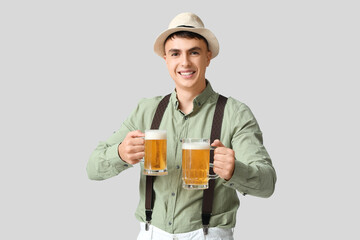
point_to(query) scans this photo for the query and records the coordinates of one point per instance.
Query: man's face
(187, 60)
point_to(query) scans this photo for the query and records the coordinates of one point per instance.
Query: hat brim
(206, 33)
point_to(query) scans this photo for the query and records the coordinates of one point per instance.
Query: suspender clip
(148, 213)
(147, 225)
(206, 229)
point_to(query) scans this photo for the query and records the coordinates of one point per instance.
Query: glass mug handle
(212, 176)
(143, 159)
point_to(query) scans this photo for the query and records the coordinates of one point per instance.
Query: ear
(209, 54)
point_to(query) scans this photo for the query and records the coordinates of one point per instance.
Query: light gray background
(72, 71)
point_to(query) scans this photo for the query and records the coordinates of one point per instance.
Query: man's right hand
(132, 149)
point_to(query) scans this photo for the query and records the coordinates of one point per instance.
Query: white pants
(155, 233)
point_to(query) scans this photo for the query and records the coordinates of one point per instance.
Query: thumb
(217, 143)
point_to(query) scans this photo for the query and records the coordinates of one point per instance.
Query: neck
(186, 99)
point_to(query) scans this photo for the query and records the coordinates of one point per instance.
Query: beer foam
(155, 134)
(196, 145)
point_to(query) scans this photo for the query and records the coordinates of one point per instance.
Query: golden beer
(155, 152)
(195, 163)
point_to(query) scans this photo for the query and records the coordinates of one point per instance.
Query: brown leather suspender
(150, 194)
(208, 193)
(208, 196)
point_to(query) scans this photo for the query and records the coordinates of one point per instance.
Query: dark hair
(187, 34)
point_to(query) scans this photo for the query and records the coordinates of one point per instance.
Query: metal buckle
(206, 229)
(147, 225)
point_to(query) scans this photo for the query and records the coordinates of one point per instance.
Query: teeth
(186, 73)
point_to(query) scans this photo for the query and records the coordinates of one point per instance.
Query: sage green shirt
(177, 210)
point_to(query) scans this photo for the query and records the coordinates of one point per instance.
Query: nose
(185, 61)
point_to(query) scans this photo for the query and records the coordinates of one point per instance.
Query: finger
(135, 161)
(220, 151)
(224, 161)
(135, 157)
(136, 134)
(221, 163)
(217, 143)
(137, 142)
(223, 151)
(220, 172)
(135, 149)
(138, 156)
(224, 171)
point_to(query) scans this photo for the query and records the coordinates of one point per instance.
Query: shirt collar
(199, 100)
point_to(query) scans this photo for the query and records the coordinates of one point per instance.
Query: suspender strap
(208, 196)
(149, 196)
(149, 200)
(160, 112)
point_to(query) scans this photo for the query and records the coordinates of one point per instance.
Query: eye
(194, 53)
(175, 54)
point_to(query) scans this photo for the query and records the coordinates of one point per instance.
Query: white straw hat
(191, 23)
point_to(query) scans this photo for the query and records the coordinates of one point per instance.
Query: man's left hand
(224, 160)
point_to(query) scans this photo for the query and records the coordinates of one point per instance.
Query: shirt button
(125, 165)
(231, 184)
(170, 223)
(173, 194)
(177, 167)
(185, 118)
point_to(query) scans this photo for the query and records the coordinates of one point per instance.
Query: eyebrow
(178, 50)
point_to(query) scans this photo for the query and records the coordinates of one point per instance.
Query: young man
(240, 159)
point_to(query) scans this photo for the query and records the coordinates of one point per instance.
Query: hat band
(186, 26)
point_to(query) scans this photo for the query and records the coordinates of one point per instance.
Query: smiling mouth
(188, 73)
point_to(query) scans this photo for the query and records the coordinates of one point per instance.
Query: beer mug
(196, 163)
(155, 153)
